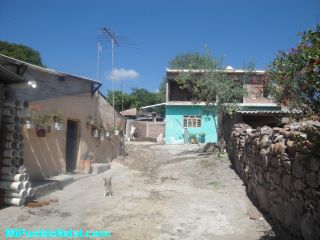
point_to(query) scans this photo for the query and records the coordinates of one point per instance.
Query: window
(192, 121)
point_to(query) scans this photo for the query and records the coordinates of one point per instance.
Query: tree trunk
(219, 129)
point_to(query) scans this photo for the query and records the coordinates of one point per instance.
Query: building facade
(73, 147)
(186, 120)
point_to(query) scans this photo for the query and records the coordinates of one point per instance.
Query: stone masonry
(281, 170)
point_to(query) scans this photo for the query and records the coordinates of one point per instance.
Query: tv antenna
(111, 35)
(115, 39)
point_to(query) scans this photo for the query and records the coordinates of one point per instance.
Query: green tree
(294, 76)
(142, 97)
(162, 91)
(138, 98)
(21, 52)
(119, 100)
(210, 85)
(189, 61)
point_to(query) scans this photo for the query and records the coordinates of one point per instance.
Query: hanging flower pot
(95, 133)
(116, 132)
(29, 124)
(101, 137)
(56, 117)
(58, 126)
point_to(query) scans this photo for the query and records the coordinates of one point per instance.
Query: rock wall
(280, 168)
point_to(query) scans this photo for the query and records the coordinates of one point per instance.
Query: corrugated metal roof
(8, 77)
(168, 70)
(154, 105)
(269, 112)
(129, 112)
(6, 59)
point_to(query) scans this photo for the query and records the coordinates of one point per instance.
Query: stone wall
(280, 168)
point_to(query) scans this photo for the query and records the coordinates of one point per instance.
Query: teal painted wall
(174, 123)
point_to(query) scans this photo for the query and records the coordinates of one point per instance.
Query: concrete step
(100, 167)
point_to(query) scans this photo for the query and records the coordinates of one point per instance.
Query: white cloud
(124, 74)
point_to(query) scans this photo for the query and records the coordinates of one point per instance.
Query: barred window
(192, 121)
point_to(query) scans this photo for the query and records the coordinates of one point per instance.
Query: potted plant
(95, 128)
(41, 124)
(102, 135)
(193, 139)
(89, 122)
(29, 123)
(46, 119)
(107, 131)
(101, 130)
(57, 120)
(118, 129)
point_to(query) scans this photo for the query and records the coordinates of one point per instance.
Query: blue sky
(66, 32)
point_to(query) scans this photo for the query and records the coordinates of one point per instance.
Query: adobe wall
(280, 168)
(45, 157)
(145, 129)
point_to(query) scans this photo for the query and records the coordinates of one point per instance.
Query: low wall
(146, 129)
(280, 168)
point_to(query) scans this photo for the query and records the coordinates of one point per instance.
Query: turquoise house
(185, 120)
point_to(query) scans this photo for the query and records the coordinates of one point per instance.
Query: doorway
(71, 145)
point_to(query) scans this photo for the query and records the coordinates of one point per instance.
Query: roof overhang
(282, 113)
(218, 70)
(154, 105)
(8, 77)
(5, 60)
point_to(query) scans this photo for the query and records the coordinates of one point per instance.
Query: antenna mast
(114, 40)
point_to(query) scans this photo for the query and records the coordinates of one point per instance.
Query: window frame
(192, 121)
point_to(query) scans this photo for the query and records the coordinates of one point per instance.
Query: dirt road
(163, 192)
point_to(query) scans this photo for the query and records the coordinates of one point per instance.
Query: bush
(294, 76)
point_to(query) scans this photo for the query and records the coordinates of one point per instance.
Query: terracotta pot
(40, 132)
(84, 166)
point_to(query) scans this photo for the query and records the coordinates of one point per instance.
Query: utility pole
(98, 59)
(121, 82)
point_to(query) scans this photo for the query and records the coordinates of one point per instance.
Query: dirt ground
(165, 192)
